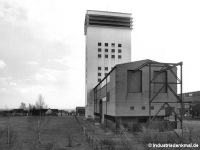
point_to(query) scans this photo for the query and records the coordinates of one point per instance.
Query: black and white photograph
(99, 75)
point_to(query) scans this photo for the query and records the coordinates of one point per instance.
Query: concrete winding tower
(108, 43)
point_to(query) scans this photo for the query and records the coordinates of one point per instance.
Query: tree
(22, 106)
(30, 107)
(38, 123)
(8, 136)
(40, 104)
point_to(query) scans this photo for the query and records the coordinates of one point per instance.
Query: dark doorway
(100, 110)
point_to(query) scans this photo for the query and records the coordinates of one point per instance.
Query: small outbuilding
(191, 103)
(80, 111)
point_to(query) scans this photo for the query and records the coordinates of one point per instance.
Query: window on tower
(99, 49)
(99, 55)
(106, 44)
(113, 56)
(99, 44)
(99, 68)
(113, 50)
(99, 74)
(106, 68)
(106, 56)
(99, 80)
(113, 44)
(119, 51)
(106, 50)
(119, 56)
(132, 108)
(119, 45)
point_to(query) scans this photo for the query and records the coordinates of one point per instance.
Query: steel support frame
(164, 67)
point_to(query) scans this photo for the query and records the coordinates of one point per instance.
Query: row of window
(134, 82)
(143, 108)
(106, 68)
(112, 56)
(99, 74)
(103, 82)
(112, 50)
(112, 44)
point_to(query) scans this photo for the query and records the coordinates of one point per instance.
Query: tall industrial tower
(108, 43)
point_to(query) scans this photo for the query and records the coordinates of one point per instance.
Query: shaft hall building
(124, 95)
(108, 43)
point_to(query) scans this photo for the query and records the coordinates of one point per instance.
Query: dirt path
(106, 139)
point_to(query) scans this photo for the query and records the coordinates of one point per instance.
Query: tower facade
(108, 43)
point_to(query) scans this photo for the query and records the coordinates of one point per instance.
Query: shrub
(107, 142)
(161, 126)
(69, 139)
(49, 146)
(125, 140)
(135, 127)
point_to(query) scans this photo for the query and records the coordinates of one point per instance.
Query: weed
(69, 139)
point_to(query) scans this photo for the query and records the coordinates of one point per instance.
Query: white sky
(42, 45)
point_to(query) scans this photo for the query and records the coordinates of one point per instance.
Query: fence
(96, 142)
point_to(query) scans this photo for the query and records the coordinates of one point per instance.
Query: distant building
(108, 43)
(48, 112)
(54, 112)
(37, 112)
(80, 111)
(192, 103)
(7, 112)
(62, 112)
(122, 97)
(20, 112)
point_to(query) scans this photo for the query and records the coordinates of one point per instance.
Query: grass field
(59, 130)
(55, 134)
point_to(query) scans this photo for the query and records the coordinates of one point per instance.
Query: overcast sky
(42, 45)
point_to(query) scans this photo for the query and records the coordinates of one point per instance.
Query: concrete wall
(121, 101)
(125, 100)
(101, 93)
(103, 35)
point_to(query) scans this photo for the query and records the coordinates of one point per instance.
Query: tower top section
(107, 19)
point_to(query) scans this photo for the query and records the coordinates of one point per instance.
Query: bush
(161, 126)
(135, 127)
(49, 146)
(69, 139)
(151, 135)
(125, 140)
(107, 142)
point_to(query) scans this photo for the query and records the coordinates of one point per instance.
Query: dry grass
(54, 136)
(189, 135)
